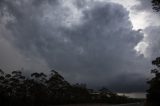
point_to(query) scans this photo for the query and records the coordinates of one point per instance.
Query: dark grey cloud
(99, 50)
(136, 83)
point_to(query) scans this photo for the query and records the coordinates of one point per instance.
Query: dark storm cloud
(99, 51)
(136, 83)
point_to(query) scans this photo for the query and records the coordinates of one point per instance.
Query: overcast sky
(98, 42)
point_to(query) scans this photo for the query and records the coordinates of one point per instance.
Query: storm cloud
(87, 42)
(151, 40)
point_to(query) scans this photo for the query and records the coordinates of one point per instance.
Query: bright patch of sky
(134, 95)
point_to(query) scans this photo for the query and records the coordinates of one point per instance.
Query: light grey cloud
(95, 47)
(149, 44)
(11, 57)
(144, 5)
(153, 41)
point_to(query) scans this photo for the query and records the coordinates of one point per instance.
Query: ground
(134, 104)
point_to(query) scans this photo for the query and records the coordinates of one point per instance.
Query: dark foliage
(153, 93)
(156, 5)
(42, 90)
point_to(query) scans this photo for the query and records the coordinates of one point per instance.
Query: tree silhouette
(57, 87)
(38, 90)
(43, 90)
(153, 93)
(80, 93)
(2, 86)
(156, 5)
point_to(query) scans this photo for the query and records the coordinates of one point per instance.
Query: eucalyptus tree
(58, 88)
(38, 89)
(153, 93)
(156, 5)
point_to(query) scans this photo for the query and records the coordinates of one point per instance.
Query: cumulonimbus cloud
(96, 47)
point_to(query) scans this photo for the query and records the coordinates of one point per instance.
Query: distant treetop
(156, 5)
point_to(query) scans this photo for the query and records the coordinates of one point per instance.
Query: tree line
(41, 90)
(153, 93)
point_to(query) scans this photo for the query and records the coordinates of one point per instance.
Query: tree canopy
(153, 93)
(42, 90)
(156, 5)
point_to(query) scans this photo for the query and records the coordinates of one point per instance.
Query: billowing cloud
(153, 41)
(150, 20)
(92, 43)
